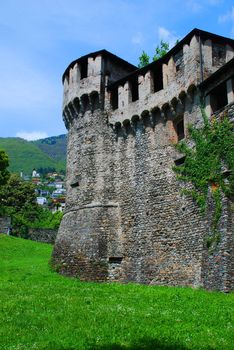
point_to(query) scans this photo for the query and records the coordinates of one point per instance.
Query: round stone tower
(90, 221)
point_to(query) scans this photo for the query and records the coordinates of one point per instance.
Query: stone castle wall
(5, 225)
(42, 235)
(125, 217)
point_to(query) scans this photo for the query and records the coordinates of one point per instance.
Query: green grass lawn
(40, 309)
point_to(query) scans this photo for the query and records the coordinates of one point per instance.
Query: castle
(125, 218)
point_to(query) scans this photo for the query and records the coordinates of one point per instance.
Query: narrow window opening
(179, 161)
(218, 97)
(179, 129)
(85, 102)
(157, 79)
(134, 89)
(115, 260)
(94, 98)
(114, 98)
(75, 184)
(84, 69)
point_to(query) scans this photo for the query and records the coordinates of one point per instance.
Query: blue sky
(39, 38)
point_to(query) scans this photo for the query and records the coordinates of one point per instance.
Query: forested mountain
(26, 155)
(54, 146)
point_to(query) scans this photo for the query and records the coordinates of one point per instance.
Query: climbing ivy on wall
(209, 162)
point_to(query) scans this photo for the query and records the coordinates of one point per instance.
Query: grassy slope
(42, 310)
(25, 156)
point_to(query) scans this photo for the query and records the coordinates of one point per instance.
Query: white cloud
(228, 17)
(165, 35)
(33, 135)
(214, 2)
(194, 6)
(138, 39)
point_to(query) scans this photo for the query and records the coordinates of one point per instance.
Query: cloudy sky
(39, 38)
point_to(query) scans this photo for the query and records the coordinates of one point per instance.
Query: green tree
(46, 219)
(144, 59)
(18, 200)
(160, 51)
(4, 163)
(18, 193)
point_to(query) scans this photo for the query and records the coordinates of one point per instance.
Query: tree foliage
(210, 162)
(18, 193)
(4, 163)
(160, 51)
(18, 200)
(144, 59)
(47, 219)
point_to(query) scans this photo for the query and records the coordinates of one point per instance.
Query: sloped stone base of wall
(5, 224)
(42, 235)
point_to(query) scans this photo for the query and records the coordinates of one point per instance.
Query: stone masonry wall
(5, 224)
(90, 220)
(125, 218)
(162, 232)
(42, 235)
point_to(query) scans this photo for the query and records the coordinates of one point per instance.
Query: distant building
(42, 201)
(35, 173)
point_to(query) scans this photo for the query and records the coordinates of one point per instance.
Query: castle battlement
(166, 85)
(163, 83)
(125, 218)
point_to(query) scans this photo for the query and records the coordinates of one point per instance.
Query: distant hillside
(55, 147)
(25, 156)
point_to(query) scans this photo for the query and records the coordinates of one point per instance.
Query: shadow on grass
(143, 344)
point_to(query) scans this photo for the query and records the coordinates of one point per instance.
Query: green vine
(209, 162)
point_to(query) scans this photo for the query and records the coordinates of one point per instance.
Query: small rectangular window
(115, 260)
(134, 88)
(179, 128)
(84, 68)
(115, 98)
(75, 184)
(179, 161)
(218, 97)
(157, 79)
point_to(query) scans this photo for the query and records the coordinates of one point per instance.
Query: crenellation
(208, 68)
(181, 72)
(123, 96)
(94, 66)
(126, 218)
(145, 83)
(218, 54)
(229, 52)
(74, 75)
(230, 90)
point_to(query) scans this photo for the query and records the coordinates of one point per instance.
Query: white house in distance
(42, 200)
